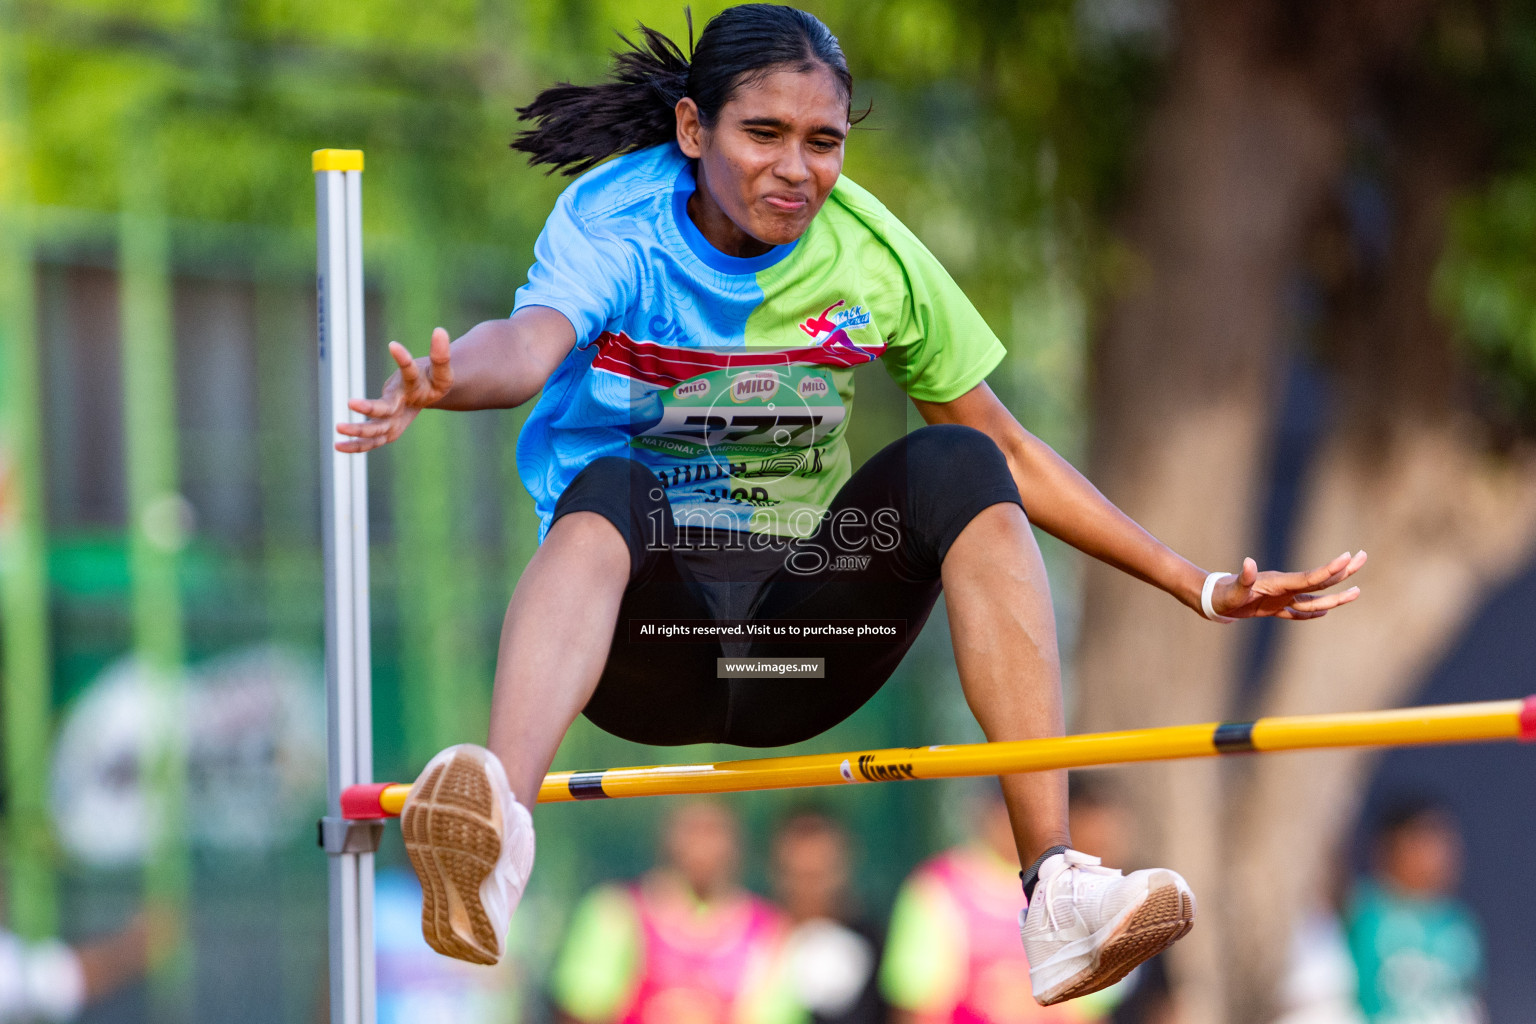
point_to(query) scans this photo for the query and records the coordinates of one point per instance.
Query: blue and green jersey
(730, 378)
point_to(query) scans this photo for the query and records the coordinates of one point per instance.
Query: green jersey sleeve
(941, 347)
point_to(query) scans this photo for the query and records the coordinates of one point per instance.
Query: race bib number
(756, 412)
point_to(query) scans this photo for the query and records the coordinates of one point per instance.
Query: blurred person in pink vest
(685, 944)
(950, 957)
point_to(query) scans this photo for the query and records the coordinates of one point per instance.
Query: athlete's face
(769, 161)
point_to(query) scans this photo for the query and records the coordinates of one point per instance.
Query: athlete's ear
(690, 130)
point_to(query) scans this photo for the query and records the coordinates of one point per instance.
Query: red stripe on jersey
(665, 366)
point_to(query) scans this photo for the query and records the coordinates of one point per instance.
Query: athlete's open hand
(1285, 595)
(406, 393)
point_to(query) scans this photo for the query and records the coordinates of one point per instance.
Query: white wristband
(1205, 596)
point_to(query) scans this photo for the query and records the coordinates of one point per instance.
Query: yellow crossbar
(1447, 723)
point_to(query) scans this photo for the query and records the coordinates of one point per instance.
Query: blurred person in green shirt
(684, 944)
(948, 958)
(1417, 948)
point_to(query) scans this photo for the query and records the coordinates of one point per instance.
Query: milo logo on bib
(760, 384)
(761, 411)
(814, 387)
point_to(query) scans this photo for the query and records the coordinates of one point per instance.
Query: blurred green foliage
(1488, 282)
(1486, 53)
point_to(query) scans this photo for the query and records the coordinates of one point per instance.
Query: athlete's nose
(792, 167)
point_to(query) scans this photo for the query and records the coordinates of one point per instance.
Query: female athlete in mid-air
(693, 317)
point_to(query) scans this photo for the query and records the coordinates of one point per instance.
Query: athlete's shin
(554, 642)
(1004, 634)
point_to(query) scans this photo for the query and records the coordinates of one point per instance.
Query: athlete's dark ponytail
(575, 126)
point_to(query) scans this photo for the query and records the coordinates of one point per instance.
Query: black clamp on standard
(343, 835)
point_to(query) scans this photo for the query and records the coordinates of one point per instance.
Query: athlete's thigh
(655, 689)
(875, 558)
(776, 711)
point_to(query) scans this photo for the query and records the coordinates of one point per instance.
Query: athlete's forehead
(812, 102)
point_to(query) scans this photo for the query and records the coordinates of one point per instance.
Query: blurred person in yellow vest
(684, 944)
(950, 957)
(833, 949)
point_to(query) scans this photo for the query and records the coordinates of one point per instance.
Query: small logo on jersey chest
(754, 386)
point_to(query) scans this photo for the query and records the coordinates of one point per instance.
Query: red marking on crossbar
(1528, 719)
(361, 803)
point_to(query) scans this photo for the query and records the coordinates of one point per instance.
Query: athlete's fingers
(1336, 570)
(1249, 574)
(1290, 613)
(1321, 578)
(1323, 602)
(1351, 566)
(1349, 569)
(1239, 592)
(376, 408)
(409, 375)
(1316, 579)
(442, 374)
(372, 428)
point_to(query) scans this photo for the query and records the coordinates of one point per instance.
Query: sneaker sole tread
(452, 836)
(1164, 917)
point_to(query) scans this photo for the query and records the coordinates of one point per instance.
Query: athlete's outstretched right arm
(498, 364)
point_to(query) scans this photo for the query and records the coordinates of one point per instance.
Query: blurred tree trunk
(1240, 165)
(1408, 472)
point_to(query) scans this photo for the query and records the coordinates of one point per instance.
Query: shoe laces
(1075, 867)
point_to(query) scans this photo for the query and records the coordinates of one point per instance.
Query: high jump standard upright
(344, 528)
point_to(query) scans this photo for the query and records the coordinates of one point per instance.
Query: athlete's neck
(717, 228)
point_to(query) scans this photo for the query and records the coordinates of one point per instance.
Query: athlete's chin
(781, 227)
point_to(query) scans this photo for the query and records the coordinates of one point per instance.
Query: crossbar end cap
(1528, 719)
(363, 803)
(338, 160)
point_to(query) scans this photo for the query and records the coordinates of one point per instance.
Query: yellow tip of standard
(338, 160)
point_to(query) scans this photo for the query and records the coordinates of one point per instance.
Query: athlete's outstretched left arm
(1064, 504)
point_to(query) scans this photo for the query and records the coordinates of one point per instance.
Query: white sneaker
(471, 844)
(1089, 926)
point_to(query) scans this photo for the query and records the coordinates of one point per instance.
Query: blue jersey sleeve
(583, 273)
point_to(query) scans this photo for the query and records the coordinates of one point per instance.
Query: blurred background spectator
(54, 982)
(832, 949)
(953, 953)
(1417, 947)
(1319, 984)
(683, 944)
(1102, 825)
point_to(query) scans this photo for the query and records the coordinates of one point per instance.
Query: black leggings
(903, 508)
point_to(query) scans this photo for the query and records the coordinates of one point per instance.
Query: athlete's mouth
(789, 202)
